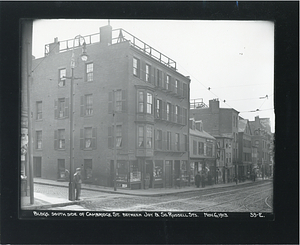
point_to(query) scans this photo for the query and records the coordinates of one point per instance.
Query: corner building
(123, 78)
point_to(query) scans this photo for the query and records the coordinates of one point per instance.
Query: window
(200, 148)
(38, 140)
(194, 147)
(61, 139)
(118, 97)
(168, 141)
(184, 116)
(61, 108)
(110, 137)
(158, 139)
(148, 75)
(149, 103)
(62, 77)
(168, 79)
(176, 113)
(177, 142)
(149, 137)
(119, 136)
(88, 138)
(89, 72)
(176, 86)
(39, 114)
(135, 174)
(87, 105)
(159, 78)
(158, 108)
(168, 111)
(141, 101)
(209, 150)
(158, 169)
(136, 67)
(141, 136)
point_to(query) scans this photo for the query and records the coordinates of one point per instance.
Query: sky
(232, 61)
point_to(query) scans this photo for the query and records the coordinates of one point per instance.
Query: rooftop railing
(118, 36)
(197, 104)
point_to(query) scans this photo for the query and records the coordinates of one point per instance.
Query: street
(250, 197)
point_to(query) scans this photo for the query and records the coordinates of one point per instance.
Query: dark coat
(197, 179)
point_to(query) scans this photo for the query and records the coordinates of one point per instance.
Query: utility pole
(114, 141)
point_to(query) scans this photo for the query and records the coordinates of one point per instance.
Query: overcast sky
(235, 59)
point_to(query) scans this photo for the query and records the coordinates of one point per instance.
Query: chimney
(214, 105)
(106, 34)
(54, 47)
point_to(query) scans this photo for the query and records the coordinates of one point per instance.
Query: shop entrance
(149, 172)
(168, 165)
(37, 166)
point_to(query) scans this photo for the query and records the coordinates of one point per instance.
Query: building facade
(202, 154)
(221, 123)
(262, 139)
(245, 163)
(130, 106)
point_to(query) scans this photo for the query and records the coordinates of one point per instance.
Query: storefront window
(135, 172)
(158, 170)
(88, 169)
(192, 171)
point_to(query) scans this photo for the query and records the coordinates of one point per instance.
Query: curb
(51, 205)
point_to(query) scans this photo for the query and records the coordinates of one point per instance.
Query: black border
(284, 230)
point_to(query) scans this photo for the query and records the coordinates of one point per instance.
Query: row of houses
(130, 104)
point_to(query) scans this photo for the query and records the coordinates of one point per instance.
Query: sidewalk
(42, 201)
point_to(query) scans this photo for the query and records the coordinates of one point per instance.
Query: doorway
(149, 172)
(168, 165)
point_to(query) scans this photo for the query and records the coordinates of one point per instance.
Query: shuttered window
(88, 138)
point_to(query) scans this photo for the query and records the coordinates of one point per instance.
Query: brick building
(123, 78)
(262, 139)
(221, 123)
(245, 164)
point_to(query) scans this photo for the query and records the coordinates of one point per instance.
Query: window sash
(141, 136)
(149, 136)
(149, 103)
(89, 72)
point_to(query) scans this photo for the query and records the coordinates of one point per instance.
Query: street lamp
(84, 58)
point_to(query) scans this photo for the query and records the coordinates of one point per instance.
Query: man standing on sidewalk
(77, 181)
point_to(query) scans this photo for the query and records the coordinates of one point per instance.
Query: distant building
(125, 77)
(221, 123)
(245, 163)
(262, 139)
(202, 148)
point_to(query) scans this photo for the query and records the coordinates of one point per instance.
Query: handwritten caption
(92, 214)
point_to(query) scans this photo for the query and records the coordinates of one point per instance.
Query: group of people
(200, 179)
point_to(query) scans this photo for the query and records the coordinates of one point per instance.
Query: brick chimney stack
(106, 34)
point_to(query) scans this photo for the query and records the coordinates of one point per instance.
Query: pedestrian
(203, 179)
(197, 179)
(77, 181)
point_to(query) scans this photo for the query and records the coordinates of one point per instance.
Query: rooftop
(118, 36)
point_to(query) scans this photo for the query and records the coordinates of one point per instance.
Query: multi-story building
(221, 123)
(262, 140)
(130, 104)
(202, 148)
(245, 164)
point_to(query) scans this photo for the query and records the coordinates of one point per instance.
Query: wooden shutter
(55, 139)
(94, 138)
(143, 70)
(110, 102)
(81, 139)
(67, 107)
(164, 142)
(82, 106)
(55, 109)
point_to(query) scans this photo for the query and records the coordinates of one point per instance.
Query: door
(37, 166)
(168, 175)
(149, 172)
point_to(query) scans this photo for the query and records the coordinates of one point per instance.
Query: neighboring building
(245, 164)
(202, 148)
(125, 77)
(222, 123)
(263, 141)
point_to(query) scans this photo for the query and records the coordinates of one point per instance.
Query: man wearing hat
(77, 181)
